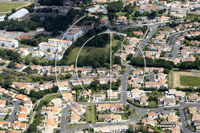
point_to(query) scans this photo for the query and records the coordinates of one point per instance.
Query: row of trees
(95, 86)
(130, 31)
(193, 38)
(50, 23)
(10, 55)
(151, 15)
(168, 65)
(139, 61)
(52, 2)
(115, 6)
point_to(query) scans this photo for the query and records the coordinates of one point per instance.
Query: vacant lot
(88, 50)
(184, 79)
(8, 6)
(91, 113)
(190, 81)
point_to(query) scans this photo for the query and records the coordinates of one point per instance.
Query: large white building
(23, 51)
(49, 47)
(50, 56)
(37, 54)
(64, 43)
(8, 43)
(19, 14)
(74, 34)
(2, 17)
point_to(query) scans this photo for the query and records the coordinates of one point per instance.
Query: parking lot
(15, 34)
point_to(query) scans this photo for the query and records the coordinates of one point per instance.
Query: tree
(27, 61)
(12, 64)
(152, 15)
(41, 81)
(115, 6)
(137, 14)
(54, 89)
(95, 83)
(35, 18)
(68, 76)
(32, 128)
(129, 113)
(130, 56)
(117, 60)
(13, 10)
(129, 9)
(6, 117)
(33, 99)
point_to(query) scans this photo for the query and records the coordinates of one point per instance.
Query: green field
(7, 6)
(189, 81)
(91, 113)
(87, 50)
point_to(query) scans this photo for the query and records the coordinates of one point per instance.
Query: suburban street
(146, 40)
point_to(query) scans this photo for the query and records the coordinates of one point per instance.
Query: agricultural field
(8, 6)
(190, 81)
(184, 79)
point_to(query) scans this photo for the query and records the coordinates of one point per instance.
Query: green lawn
(120, 13)
(91, 113)
(71, 126)
(7, 6)
(29, 56)
(189, 81)
(88, 51)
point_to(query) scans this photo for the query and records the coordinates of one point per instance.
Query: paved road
(183, 119)
(65, 115)
(145, 41)
(140, 112)
(15, 109)
(124, 85)
(174, 53)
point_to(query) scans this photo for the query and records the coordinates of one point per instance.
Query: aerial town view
(99, 66)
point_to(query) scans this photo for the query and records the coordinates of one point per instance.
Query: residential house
(99, 97)
(38, 54)
(64, 43)
(57, 102)
(172, 118)
(169, 101)
(8, 43)
(23, 51)
(152, 115)
(101, 70)
(149, 121)
(28, 103)
(19, 125)
(2, 103)
(22, 117)
(74, 34)
(49, 47)
(137, 72)
(111, 94)
(115, 117)
(22, 37)
(22, 97)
